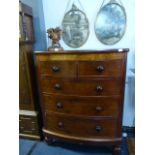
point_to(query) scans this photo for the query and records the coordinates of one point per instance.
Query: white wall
(53, 13)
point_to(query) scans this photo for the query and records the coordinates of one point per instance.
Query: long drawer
(82, 127)
(87, 106)
(106, 87)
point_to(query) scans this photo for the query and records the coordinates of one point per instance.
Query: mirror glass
(75, 27)
(110, 24)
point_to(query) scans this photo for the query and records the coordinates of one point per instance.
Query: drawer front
(28, 130)
(100, 68)
(84, 127)
(93, 106)
(81, 87)
(28, 125)
(58, 68)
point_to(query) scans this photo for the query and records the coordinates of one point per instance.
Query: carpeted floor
(30, 147)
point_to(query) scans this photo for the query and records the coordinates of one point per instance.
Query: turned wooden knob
(46, 138)
(98, 108)
(56, 69)
(99, 88)
(98, 128)
(57, 86)
(59, 105)
(60, 124)
(100, 68)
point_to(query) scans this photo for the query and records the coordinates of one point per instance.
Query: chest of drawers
(82, 95)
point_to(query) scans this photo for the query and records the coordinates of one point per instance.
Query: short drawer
(26, 130)
(58, 68)
(28, 124)
(111, 68)
(82, 127)
(86, 106)
(92, 87)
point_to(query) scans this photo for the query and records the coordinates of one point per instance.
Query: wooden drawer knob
(56, 69)
(57, 86)
(100, 68)
(98, 108)
(98, 128)
(60, 125)
(99, 88)
(59, 105)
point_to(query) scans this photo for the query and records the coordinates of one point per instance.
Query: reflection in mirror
(110, 24)
(75, 27)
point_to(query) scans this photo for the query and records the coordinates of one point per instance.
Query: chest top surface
(82, 54)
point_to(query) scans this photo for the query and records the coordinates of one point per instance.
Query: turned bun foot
(49, 141)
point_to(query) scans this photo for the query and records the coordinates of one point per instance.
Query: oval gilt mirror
(110, 24)
(75, 27)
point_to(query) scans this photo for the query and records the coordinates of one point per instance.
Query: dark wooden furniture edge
(120, 50)
(33, 137)
(112, 96)
(26, 42)
(25, 9)
(120, 120)
(82, 116)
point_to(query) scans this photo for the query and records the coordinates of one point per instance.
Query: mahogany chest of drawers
(82, 95)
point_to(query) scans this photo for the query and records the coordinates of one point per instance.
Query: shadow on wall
(40, 35)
